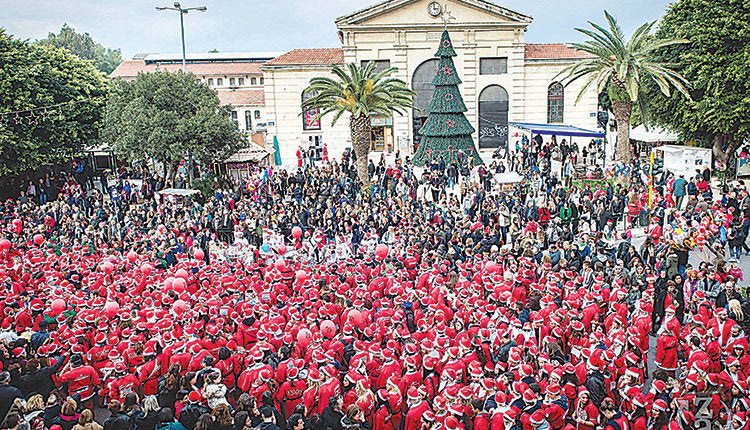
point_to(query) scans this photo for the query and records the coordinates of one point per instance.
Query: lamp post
(182, 11)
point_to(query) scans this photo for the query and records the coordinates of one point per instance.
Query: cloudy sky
(280, 25)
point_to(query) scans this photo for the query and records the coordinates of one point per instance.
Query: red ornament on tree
(450, 123)
(446, 70)
(448, 97)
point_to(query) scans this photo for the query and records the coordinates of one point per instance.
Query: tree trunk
(361, 130)
(622, 111)
(724, 156)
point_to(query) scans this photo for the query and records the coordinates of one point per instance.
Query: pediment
(400, 12)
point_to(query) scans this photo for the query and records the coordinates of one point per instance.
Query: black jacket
(332, 418)
(189, 415)
(147, 421)
(266, 426)
(8, 393)
(40, 381)
(118, 421)
(596, 385)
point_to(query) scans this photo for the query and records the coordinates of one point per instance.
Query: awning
(557, 130)
(652, 135)
(253, 152)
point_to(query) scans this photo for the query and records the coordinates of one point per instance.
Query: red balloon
(179, 306)
(296, 232)
(304, 337)
(281, 249)
(111, 308)
(181, 273)
(168, 283)
(198, 254)
(58, 306)
(17, 222)
(355, 317)
(381, 251)
(38, 239)
(280, 264)
(4, 244)
(146, 269)
(179, 285)
(491, 266)
(132, 256)
(328, 328)
(107, 267)
(302, 276)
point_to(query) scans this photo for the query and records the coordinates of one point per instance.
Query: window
(380, 65)
(253, 81)
(219, 82)
(241, 81)
(261, 81)
(309, 115)
(231, 82)
(493, 66)
(210, 82)
(248, 119)
(257, 114)
(234, 117)
(555, 103)
(493, 117)
(421, 83)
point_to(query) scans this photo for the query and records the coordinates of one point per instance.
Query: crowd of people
(430, 299)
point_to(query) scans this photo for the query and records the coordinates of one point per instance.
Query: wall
(283, 89)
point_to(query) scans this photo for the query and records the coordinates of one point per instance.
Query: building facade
(237, 79)
(504, 78)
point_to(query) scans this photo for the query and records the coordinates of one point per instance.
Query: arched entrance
(493, 117)
(421, 83)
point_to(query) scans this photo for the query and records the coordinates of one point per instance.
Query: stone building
(504, 78)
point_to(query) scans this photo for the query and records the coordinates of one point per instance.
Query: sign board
(743, 166)
(685, 160)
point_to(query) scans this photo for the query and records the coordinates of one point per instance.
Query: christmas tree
(446, 132)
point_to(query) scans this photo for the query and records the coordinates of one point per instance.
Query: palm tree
(362, 92)
(621, 68)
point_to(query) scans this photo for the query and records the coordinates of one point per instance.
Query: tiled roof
(313, 57)
(552, 51)
(131, 68)
(242, 97)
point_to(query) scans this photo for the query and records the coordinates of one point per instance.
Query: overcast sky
(280, 25)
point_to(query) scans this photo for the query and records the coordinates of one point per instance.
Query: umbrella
(276, 152)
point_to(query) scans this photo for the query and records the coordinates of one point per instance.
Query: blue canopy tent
(557, 130)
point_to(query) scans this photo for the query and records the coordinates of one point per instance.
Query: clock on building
(434, 9)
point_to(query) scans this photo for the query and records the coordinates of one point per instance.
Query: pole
(182, 33)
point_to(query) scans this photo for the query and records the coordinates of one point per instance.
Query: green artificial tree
(446, 132)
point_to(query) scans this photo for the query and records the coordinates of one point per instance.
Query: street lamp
(182, 11)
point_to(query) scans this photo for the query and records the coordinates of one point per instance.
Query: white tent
(652, 135)
(508, 178)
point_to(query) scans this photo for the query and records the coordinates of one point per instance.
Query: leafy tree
(361, 92)
(717, 63)
(35, 76)
(447, 132)
(82, 45)
(169, 117)
(622, 67)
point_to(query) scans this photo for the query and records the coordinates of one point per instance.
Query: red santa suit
(666, 351)
(81, 380)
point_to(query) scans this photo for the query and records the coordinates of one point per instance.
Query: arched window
(555, 103)
(493, 117)
(421, 83)
(309, 115)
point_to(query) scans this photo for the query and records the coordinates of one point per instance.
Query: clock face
(434, 9)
